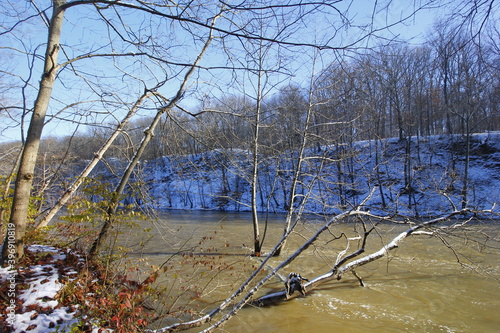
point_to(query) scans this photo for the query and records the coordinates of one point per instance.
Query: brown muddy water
(419, 287)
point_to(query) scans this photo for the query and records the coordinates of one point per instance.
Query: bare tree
(19, 212)
(148, 134)
(302, 129)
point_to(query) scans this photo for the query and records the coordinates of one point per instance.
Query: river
(420, 287)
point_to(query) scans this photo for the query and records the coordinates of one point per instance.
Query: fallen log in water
(343, 266)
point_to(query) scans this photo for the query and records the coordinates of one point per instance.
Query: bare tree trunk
(255, 171)
(8, 181)
(298, 168)
(377, 171)
(148, 134)
(88, 169)
(464, 191)
(257, 246)
(25, 175)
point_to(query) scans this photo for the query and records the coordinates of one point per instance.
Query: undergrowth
(109, 300)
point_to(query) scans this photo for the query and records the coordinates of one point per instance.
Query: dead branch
(339, 270)
(287, 261)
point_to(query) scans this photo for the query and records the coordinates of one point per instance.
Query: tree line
(445, 86)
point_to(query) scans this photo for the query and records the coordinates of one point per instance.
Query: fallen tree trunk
(207, 318)
(339, 270)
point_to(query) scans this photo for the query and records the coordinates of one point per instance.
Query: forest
(324, 111)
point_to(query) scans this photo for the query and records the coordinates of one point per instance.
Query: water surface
(420, 287)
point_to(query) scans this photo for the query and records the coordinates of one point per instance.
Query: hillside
(337, 177)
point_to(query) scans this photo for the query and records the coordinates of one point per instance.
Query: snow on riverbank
(33, 292)
(417, 177)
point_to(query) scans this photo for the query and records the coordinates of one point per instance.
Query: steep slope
(421, 176)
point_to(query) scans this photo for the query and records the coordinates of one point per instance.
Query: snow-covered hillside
(335, 178)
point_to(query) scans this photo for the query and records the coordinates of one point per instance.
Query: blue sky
(84, 32)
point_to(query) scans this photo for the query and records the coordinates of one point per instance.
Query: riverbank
(58, 289)
(34, 288)
(418, 177)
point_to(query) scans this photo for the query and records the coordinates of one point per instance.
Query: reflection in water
(419, 288)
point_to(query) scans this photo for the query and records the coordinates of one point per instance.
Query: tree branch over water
(344, 266)
(261, 283)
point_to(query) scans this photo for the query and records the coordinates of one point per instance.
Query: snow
(220, 180)
(59, 319)
(43, 284)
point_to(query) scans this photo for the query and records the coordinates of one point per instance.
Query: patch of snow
(43, 287)
(44, 323)
(40, 311)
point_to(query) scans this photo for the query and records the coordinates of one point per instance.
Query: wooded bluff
(418, 177)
